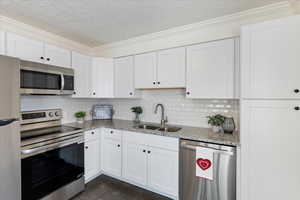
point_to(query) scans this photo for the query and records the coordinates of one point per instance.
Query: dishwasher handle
(215, 150)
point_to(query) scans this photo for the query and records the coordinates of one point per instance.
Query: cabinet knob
(130, 93)
(144, 151)
(74, 92)
(86, 147)
(296, 90)
(42, 57)
(93, 133)
(149, 152)
(297, 108)
(188, 93)
(94, 93)
(48, 59)
(119, 145)
(111, 132)
(158, 82)
(154, 83)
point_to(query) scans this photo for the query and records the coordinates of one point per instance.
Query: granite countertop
(187, 132)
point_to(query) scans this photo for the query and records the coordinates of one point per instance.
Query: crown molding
(281, 7)
(11, 25)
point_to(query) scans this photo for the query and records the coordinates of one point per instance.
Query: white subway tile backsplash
(181, 111)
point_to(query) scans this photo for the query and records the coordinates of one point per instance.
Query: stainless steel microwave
(38, 78)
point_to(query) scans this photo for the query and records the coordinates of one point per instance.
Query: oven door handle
(62, 82)
(34, 151)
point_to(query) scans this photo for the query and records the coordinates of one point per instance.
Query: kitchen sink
(157, 127)
(170, 129)
(148, 126)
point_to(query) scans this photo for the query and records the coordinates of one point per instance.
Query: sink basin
(170, 129)
(147, 126)
(157, 127)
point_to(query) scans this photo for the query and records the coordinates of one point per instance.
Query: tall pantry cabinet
(270, 110)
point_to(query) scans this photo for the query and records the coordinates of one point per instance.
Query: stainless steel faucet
(163, 120)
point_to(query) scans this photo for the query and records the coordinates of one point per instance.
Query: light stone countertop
(190, 133)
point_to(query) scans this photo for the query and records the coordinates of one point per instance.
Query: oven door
(45, 172)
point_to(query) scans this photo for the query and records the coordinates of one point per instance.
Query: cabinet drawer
(92, 135)
(112, 134)
(151, 140)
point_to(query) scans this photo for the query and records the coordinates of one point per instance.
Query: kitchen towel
(204, 163)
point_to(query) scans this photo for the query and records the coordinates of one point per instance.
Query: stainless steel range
(52, 157)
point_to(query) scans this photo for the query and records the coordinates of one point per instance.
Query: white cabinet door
(145, 67)
(57, 56)
(171, 68)
(111, 156)
(270, 59)
(25, 48)
(163, 171)
(102, 78)
(124, 77)
(92, 159)
(135, 163)
(2, 42)
(270, 150)
(211, 70)
(82, 66)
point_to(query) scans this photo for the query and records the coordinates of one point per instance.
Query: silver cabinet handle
(193, 147)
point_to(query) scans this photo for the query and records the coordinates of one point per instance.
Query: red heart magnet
(204, 164)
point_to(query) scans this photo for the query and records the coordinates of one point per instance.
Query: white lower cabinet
(135, 163)
(91, 159)
(145, 160)
(163, 170)
(92, 142)
(111, 156)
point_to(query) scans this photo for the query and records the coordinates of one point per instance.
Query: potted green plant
(80, 116)
(216, 122)
(137, 111)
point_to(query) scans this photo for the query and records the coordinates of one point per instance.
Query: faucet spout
(164, 119)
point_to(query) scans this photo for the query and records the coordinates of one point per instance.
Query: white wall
(209, 30)
(179, 110)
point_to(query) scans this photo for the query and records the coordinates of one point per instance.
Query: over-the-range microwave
(43, 79)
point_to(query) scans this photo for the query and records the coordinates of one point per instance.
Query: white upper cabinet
(2, 42)
(162, 69)
(171, 68)
(211, 70)
(145, 70)
(270, 59)
(124, 77)
(37, 51)
(57, 56)
(82, 66)
(25, 48)
(102, 78)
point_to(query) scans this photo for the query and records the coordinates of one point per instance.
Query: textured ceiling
(96, 22)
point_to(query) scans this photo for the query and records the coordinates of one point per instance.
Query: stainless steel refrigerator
(10, 159)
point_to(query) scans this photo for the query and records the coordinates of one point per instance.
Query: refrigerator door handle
(7, 122)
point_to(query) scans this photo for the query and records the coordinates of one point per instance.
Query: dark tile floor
(106, 188)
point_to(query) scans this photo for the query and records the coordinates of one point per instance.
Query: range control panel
(37, 116)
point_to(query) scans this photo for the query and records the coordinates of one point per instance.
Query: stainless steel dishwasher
(223, 186)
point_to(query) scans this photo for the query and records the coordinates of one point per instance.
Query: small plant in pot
(137, 111)
(80, 116)
(216, 122)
